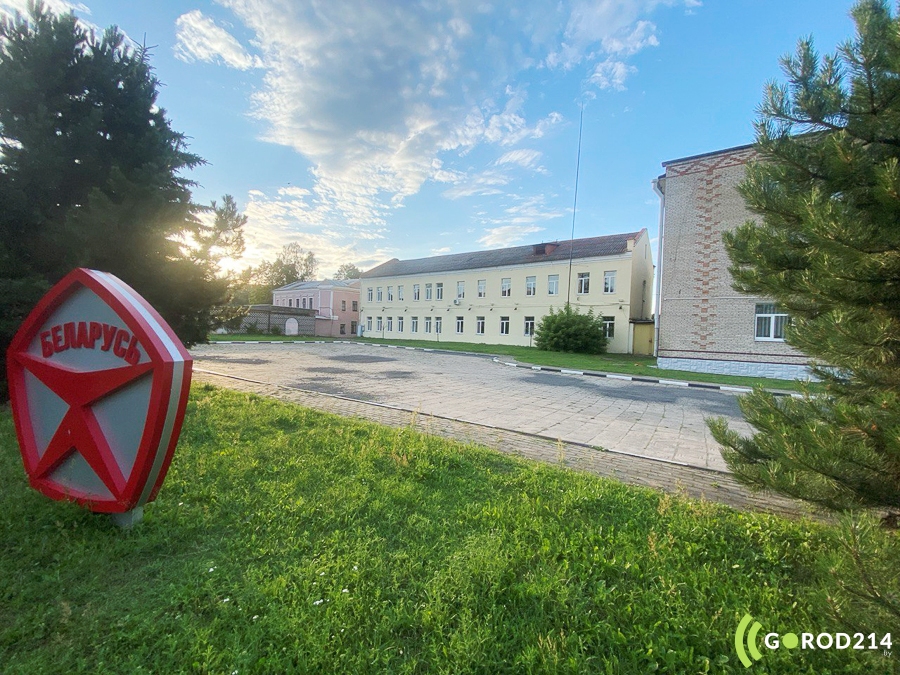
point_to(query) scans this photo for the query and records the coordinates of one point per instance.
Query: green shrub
(570, 331)
(275, 329)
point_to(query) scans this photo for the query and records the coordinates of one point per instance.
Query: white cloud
(200, 39)
(611, 74)
(527, 159)
(56, 6)
(440, 251)
(507, 235)
(381, 96)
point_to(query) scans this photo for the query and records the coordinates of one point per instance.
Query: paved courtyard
(657, 421)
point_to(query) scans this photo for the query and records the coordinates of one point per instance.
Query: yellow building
(500, 296)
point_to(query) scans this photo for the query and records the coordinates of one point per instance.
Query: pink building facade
(336, 304)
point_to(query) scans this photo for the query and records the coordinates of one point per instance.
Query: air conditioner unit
(456, 301)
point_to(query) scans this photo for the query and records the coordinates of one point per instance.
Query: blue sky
(371, 130)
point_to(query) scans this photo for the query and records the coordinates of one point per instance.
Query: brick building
(702, 323)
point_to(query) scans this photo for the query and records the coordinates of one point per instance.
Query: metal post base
(128, 519)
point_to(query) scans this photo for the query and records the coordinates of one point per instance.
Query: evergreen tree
(827, 249)
(90, 174)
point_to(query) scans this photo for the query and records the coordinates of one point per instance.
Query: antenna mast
(575, 204)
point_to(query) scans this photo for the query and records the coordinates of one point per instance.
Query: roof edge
(736, 148)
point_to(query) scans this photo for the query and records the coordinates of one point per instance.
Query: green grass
(626, 364)
(287, 540)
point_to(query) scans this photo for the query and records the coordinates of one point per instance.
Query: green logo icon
(751, 640)
(788, 640)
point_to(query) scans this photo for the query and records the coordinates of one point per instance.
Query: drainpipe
(659, 187)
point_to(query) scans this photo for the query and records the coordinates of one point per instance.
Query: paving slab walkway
(691, 481)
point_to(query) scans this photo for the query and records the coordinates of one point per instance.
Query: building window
(459, 324)
(770, 322)
(504, 325)
(479, 325)
(343, 329)
(438, 322)
(609, 327)
(553, 284)
(529, 325)
(390, 324)
(353, 328)
(460, 289)
(369, 294)
(390, 294)
(378, 294)
(290, 302)
(609, 282)
(400, 293)
(343, 305)
(427, 324)
(505, 287)
(584, 283)
(379, 324)
(428, 291)
(482, 286)
(399, 324)
(439, 291)
(415, 291)
(355, 306)
(414, 324)
(304, 303)
(530, 285)
(369, 323)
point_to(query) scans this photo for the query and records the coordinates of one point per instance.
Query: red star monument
(98, 385)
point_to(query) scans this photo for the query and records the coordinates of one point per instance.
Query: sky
(366, 130)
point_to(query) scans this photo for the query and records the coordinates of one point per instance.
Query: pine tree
(827, 249)
(91, 174)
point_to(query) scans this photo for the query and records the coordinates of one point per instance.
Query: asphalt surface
(658, 421)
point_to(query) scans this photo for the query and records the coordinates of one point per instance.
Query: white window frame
(609, 281)
(415, 291)
(584, 283)
(390, 293)
(768, 312)
(552, 284)
(414, 324)
(399, 324)
(378, 294)
(389, 325)
(369, 323)
(529, 326)
(482, 288)
(428, 324)
(460, 324)
(479, 325)
(609, 327)
(439, 290)
(504, 325)
(369, 294)
(400, 293)
(379, 324)
(438, 324)
(505, 287)
(460, 290)
(428, 292)
(530, 285)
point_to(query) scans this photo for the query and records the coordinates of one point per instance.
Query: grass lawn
(287, 540)
(626, 364)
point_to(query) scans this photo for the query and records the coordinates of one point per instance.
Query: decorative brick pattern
(701, 317)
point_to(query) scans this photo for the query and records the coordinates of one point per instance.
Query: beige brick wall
(701, 316)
